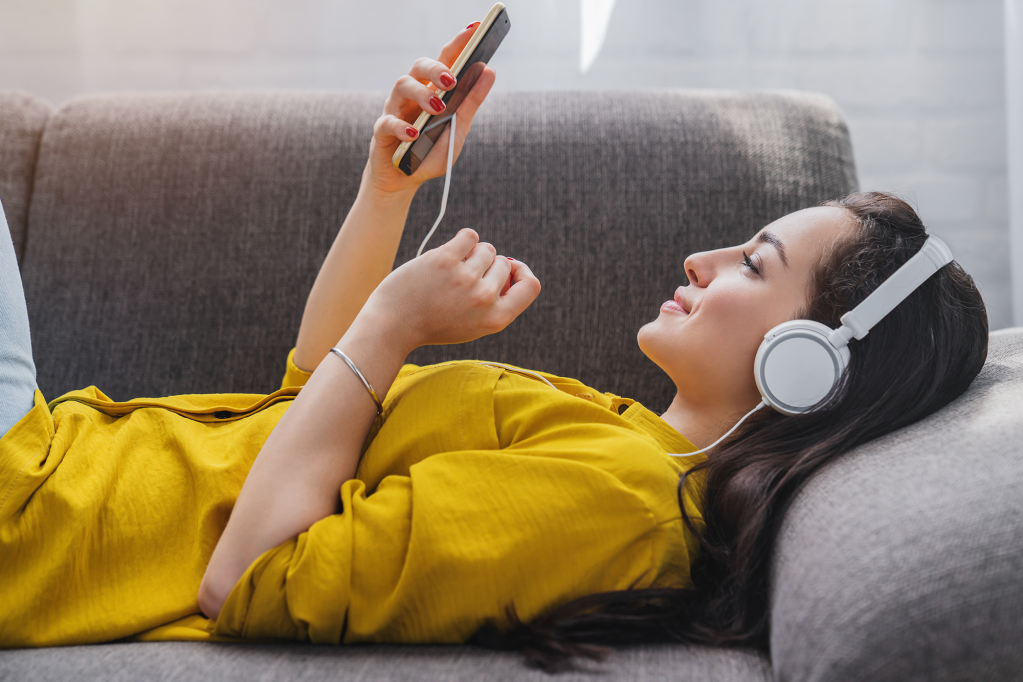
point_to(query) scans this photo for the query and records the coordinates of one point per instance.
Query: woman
(476, 500)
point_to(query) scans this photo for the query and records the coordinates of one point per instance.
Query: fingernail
(411, 131)
(437, 104)
(447, 80)
(472, 24)
(509, 258)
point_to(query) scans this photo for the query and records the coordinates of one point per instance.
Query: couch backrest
(904, 559)
(173, 238)
(22, 119)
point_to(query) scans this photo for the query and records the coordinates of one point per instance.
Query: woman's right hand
(454, 293)
(411, 95)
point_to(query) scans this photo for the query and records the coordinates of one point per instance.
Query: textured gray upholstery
(174, 238)
(904, 560)
(22, 119)
(185, 662)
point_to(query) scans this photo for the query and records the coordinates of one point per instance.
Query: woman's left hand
(454, 293)
(410, 96)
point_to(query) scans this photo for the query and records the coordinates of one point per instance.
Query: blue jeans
(17, 369)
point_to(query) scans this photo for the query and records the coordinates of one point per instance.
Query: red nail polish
(509, 258)
(437, 104)
(446, 80)
(471, 25)
(411, 131)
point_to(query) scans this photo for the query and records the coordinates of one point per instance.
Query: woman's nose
(698, 268)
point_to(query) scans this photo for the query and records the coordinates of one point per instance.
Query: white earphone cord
(689, 454)
(447, 185)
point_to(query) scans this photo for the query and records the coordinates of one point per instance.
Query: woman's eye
(749, 263)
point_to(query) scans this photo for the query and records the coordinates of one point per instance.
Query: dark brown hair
(915, 361)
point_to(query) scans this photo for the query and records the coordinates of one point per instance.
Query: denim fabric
(17, 370)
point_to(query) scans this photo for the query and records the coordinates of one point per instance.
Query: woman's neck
(702, 423)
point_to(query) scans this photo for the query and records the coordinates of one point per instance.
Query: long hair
(915, 361)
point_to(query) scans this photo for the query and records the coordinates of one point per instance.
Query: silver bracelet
(373, 394)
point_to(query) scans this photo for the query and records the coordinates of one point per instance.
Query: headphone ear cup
(797, 367)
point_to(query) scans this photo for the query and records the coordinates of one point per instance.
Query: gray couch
(167, 244)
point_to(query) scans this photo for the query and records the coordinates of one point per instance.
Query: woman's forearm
(362, 255)
(314, 448)
(363, 251)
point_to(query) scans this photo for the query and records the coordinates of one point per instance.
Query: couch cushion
(904, 560)
(174, 237)
(22, 119)
(170, 661)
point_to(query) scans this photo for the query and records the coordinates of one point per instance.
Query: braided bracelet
(373, 394)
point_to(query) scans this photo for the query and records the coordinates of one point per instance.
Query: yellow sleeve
(293, 376)
(432, 556)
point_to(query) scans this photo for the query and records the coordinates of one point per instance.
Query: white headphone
(800, 362)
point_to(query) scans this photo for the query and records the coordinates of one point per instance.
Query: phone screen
(452, 98)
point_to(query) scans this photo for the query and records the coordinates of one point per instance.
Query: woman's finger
(432, 74)
(449, 53)
(496, 276)
(389, 128)
(524, 291)
(409, 90)
(480, 89)
(481, 258)
(461, 244)
(426, 71)
(435, 162)
(466, 113)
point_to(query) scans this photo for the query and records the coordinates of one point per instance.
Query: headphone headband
(931, 257)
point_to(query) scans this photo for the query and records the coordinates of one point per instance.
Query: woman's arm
(313, 449)
(364, 250)
(451, 294)
(361, 256)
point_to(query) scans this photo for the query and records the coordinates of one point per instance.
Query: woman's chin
(654, 341)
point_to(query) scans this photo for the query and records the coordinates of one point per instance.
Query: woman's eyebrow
(770, 238)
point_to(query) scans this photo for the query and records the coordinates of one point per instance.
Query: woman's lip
(680, 302)
(674, 307)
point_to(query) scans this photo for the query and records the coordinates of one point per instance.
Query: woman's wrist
(385, 190)
(376, 329)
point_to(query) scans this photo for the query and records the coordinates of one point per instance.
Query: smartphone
(466, 69)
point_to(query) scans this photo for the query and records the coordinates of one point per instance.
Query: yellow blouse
(478, 487)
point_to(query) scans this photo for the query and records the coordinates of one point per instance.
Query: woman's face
(707, 337)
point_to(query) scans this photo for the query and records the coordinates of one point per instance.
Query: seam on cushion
(21, 471)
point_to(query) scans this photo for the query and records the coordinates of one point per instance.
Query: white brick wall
(921, 82)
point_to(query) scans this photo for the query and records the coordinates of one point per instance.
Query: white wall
(921, 82)
(1014, 94)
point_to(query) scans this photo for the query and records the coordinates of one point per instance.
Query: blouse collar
(668, 438)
